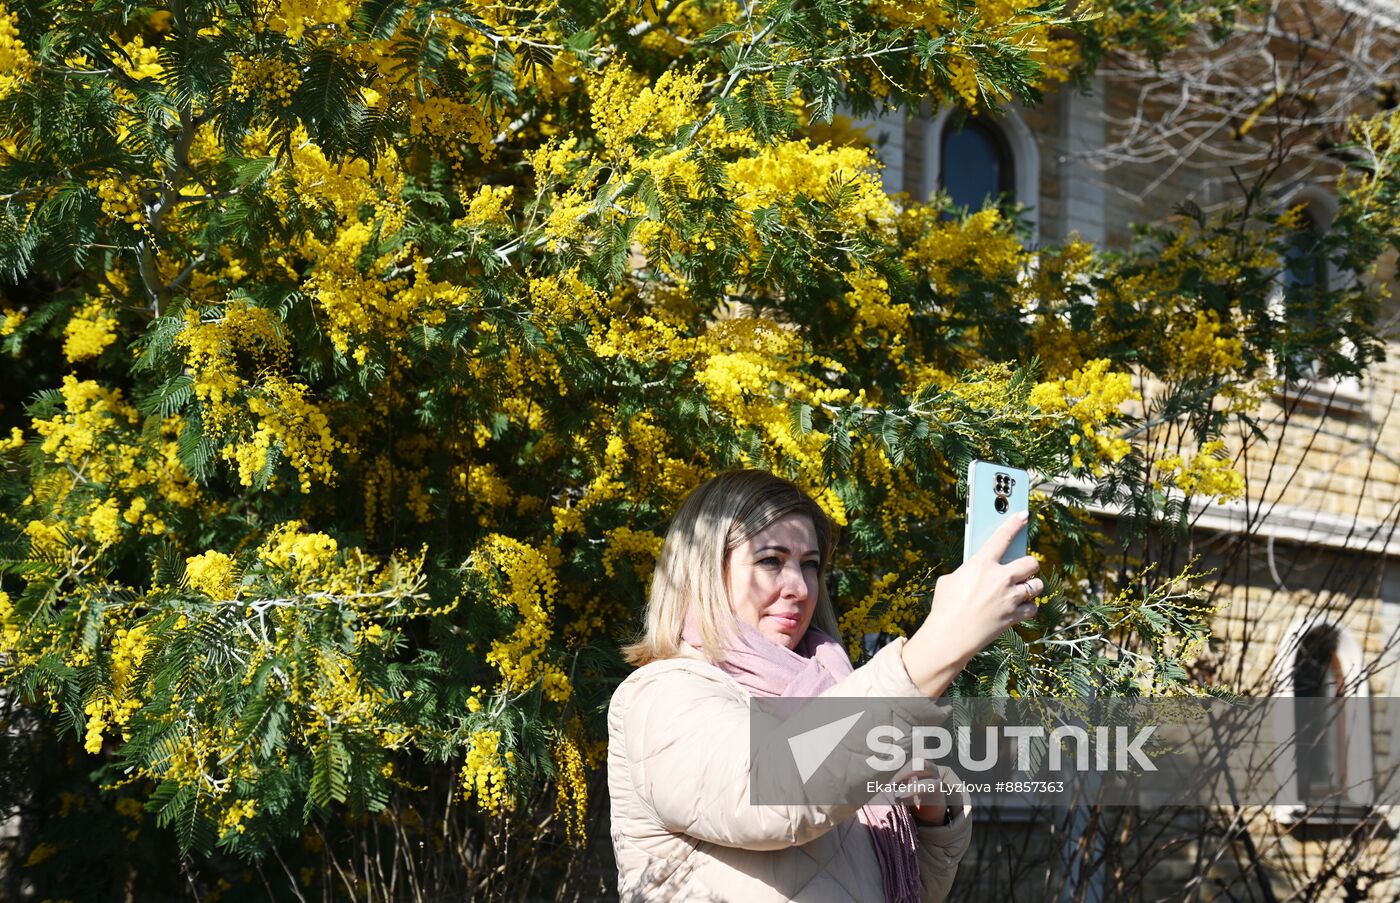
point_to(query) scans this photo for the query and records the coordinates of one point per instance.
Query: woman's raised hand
(972, 607)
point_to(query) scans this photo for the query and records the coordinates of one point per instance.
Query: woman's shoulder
(688, 664)
(684, 674)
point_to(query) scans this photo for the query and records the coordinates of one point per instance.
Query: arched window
(979, 159)
(1321, 731)
(975, 164)
(1324, 768)
(1304, 275)
(1303, 278)
(1305, 267)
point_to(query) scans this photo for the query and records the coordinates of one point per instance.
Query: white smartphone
(994, 493)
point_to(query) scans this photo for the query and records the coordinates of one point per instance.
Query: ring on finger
(1030, 593)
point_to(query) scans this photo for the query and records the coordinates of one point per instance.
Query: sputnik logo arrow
(810, 748)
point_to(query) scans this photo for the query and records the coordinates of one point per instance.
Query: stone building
(1313, 609)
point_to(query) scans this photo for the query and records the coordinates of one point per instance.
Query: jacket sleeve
(941, 849)
(686, 736)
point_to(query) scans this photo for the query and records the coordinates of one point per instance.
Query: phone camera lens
(1001, 505)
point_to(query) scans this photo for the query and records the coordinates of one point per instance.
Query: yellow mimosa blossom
(269, 77)
(16, 65)
(484, 772)
(1201, 351)
(91, 330)
(210, 573)
(527, 584)
(1209, 473)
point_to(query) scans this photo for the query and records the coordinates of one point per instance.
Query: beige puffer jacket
(682, 824)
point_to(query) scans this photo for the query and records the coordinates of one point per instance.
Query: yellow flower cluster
(1092, 396)
(855, 621)
(567, 213)
(339, 695)
(212, 352)
(272, 78)
(16, 65)
(788, 168)
(484, 773)
(121, 201)
(89, 332)
(9, 627)
(1201, 351)
(1058, 269)
(1292, 219)
(186, 764)
(641, 338)
(1209, 473)
(636, 461)
(566, 298)
(295, 17)
(284, 417)
(1370, 187)
(92, 411)
(874, 310)
(1021, 23)
(346, 187)
(46, 540)
(235, 815)
(904, 502)
(210, 573)
(572, 779)
(299, 429)
(139, 61)
(654, 467)
(898, 603)
(751, 369)
(14, 319)
(1218, 254)
(488, 207)
(644, 548)
(305, 555)
(382, 299)
(529, 586)
(683, 23)
(452, 126)
(962, 74)
(98, 440)
(983, 242)
(553, 158)
(732, 377)
(933, 16)
(626, 105)
(103, 522)
(129, 649)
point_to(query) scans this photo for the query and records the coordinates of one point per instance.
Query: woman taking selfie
(738, 608)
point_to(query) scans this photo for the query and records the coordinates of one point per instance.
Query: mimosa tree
(359, 352)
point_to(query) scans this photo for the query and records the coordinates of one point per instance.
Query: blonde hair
(714, 519)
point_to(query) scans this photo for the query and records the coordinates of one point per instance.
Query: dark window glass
(1304, 276)
(1304, 266)
(1321, 737)
(976, 164)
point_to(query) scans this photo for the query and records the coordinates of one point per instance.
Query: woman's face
(772, 579)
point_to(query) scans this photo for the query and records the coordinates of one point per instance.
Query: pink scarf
(765, 668)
